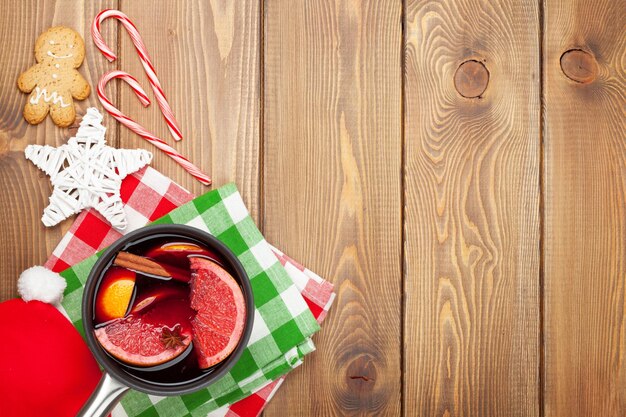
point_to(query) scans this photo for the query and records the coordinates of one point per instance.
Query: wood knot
(579, 66)
(471, 79)
(361, 372)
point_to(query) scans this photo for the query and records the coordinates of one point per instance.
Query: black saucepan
(116, 380)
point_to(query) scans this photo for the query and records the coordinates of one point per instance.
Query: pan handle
(105, 397)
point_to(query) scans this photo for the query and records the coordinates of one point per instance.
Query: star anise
(171, 338)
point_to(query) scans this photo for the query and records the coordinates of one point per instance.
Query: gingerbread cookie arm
(28, 79)
(80, 87)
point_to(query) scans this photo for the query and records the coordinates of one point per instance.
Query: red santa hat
(46, 369)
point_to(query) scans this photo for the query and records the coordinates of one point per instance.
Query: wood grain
(585, 209)
(332, 134)
(206, 55)
(305, 105)
(472, 318)
(25, 190)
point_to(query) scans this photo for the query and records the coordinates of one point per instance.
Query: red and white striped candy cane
(140, 130)
(166, 110)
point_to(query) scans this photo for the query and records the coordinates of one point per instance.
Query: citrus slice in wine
(155, 337)
(114, 295)
(220, 312)
(176, 253)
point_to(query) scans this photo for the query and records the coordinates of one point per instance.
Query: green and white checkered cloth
(283, 323)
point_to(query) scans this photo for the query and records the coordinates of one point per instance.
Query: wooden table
(472, 215)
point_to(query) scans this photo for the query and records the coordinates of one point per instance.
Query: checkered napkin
(284, 320)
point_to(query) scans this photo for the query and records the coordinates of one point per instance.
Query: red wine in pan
(171, 313)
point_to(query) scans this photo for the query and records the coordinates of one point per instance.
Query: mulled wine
(168, 309)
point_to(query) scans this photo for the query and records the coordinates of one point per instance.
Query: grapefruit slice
(158, 336)
(220, 312)
(114, 295)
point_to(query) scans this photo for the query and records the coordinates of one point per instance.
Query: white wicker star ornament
(85, 172)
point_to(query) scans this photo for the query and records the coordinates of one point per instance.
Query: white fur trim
(39, 283)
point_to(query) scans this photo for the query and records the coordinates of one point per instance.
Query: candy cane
(166, 110)
(140, 130)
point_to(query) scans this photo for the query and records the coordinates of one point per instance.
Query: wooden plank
(472, 317)
(25, 190)
(332, 192)
(585, 208)
(206, 55)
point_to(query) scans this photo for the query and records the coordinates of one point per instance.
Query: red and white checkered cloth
(148, 195)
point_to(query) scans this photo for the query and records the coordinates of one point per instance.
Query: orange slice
(114, 295)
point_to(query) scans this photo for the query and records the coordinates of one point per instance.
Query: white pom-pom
(39, 283)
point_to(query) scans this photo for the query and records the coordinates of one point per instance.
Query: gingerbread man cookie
(54, 81)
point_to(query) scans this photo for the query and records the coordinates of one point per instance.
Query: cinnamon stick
(140, 264)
